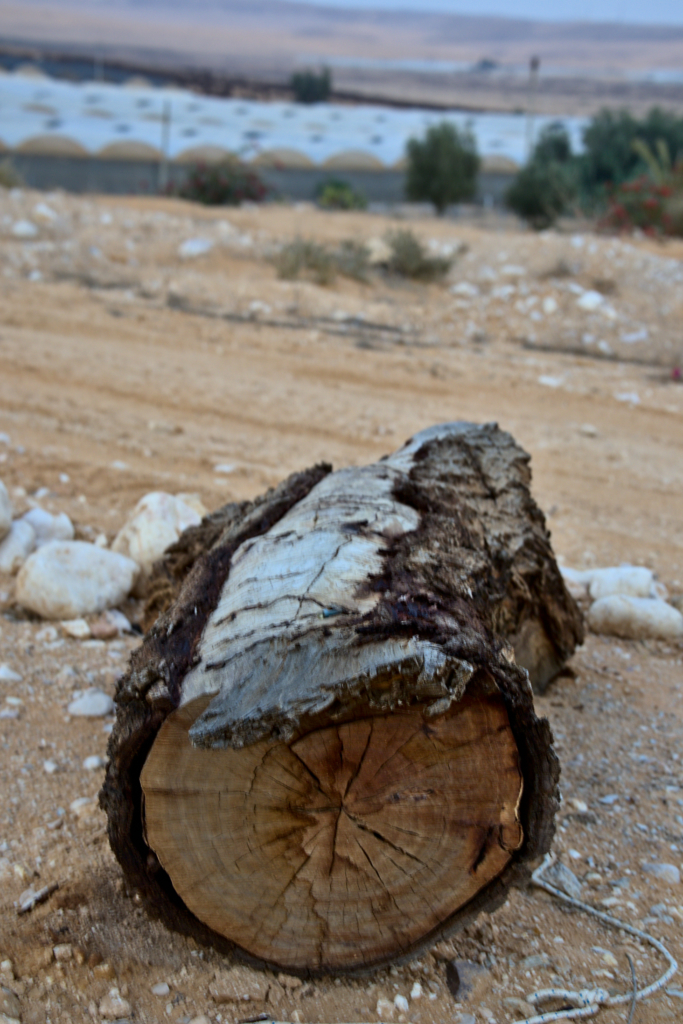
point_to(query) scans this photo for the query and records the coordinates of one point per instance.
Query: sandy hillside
(127, 365)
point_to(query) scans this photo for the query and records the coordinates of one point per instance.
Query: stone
(156, 522)
(518, 1005)
(114, 1006)
(9, 1003)
(93, 762)
(239, 984)
(83, 807)
(384, 1009)
(24, 229)
(78, 629)
(5, 511)
(16, 546)
(590, 301)
(193, 247)
(50, 767)
(559, 875)
(160, 989)
(93, 703)
(69, 579)
(464, 978)
(634, 580)
(416, 991)
(48, 527)
(401, 1003)
(64, 951)
(635, 618)
(8, 675)
(668, 873)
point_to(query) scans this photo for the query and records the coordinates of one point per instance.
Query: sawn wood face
(345, 847)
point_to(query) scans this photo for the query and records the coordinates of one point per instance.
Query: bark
(326, 753)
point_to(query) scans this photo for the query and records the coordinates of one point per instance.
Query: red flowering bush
(653, 207)
(225, 184)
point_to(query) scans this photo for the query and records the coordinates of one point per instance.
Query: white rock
(64, 951)
(379, 251)
(549, 305)
(76, 628)
(68, 579)
(8, 675)
(401, 1003)
(224, 467)
(465, 288)
(193, 247)
(5, 511)
(50, 767)
(46, 635)
(48, 527)
(635, 618)
(83, 807)
(93, 762)
(16, 546)
(635, 580)
(579, 805)
(113, 1006)
(24, 229)
(157, 521)
(384, 1009)
(161, 989)
(92, 704)
(590, 301)
(668, 873)
(416, 991)
(41, 211)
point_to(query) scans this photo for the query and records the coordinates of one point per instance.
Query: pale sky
(662, 12)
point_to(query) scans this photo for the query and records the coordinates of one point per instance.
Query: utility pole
(534, 65)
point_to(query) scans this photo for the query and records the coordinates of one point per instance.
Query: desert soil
(126, 368)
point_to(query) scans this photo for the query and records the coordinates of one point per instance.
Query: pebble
(69, 579)
(76, 628)
(50, 767)
(563, 878)
(93, 762)
(9, 1004)
(64, 951)
(5, 511)
(416, 991)
(668, 873)
(635, 618)
(193, 247)
(93, 703)
(236, 985)
(8, 675)
(401, 1003)
(579, 805)
(549, 305)
(156, 522)
(161, 989)
(462, 978)
(384, 1009)
(610, 799)
(24, 229)
(46, 635)
(16, 546)
(48, 527)
(590, 301)
(113, 1006)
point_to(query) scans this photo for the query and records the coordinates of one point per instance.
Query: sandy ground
(126, 368)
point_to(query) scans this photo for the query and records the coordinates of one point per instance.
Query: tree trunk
(325, 754)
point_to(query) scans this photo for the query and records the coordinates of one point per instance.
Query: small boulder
(465, 979)
(237, 985)
(156, 522)
(114, 1006)
(668, 873)
(16, 546)
(69, 579)
(635, 618)
(48, 527)
(5, 511)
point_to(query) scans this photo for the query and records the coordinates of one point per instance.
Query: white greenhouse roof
(43, 115)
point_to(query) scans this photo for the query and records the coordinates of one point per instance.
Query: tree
(545, 187)
(442, 167)
(311, 86)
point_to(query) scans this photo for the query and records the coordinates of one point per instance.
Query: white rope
(587, 1002)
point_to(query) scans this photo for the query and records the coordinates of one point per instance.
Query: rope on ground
(588, 1002)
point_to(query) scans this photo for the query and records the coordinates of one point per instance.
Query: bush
(654, 207)
(442, 167)
(9, 176)
(544, 189)
(409, 258)
(339, 195)
(311, 86)
(303, 257)
(224, 184)
(352, 259)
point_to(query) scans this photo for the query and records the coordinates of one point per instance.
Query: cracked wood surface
(332, 614)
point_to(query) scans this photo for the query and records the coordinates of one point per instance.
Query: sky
(663, 12)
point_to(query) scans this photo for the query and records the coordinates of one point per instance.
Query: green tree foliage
(311, 86)
(335, 194)
(545, 188)
(442, 167)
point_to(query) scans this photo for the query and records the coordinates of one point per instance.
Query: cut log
(326, 754)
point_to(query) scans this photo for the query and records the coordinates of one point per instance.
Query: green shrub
(339, 195)
(311, 86)
(352, 259)
(442, 168)
(304, 257)
(652, 206)
(224, 184)
(410, 259)
(545, 188)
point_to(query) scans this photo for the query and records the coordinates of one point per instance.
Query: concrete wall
(136, 177)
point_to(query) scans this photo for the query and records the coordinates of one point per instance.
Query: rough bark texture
(399, 588)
